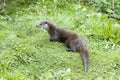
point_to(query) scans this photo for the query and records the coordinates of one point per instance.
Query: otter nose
(36, 25)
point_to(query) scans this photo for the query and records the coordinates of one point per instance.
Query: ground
(25, 53)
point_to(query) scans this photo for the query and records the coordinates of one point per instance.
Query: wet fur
(72, 41)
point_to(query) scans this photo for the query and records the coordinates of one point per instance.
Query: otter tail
(84, 55)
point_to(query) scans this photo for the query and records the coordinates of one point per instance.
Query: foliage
(110, 7)
(26, 55)
(105, 30)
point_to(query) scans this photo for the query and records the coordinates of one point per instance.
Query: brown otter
(72, 41)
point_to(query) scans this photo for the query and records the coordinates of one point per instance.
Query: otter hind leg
(68, 49)
(71, 49)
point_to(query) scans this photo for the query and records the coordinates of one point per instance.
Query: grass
(26, 55)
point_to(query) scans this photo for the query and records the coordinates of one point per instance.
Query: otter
(72, 40)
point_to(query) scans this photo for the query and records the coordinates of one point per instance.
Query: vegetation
(109, 7)
(26, 55)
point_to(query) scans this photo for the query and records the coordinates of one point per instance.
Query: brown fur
(72, 41)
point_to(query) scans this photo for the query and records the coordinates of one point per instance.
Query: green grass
(26, 55)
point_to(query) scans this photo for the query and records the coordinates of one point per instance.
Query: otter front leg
(53, 38)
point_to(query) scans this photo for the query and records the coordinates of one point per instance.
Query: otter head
(43, 24)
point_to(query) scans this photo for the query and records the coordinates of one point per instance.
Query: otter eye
(45, 22)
